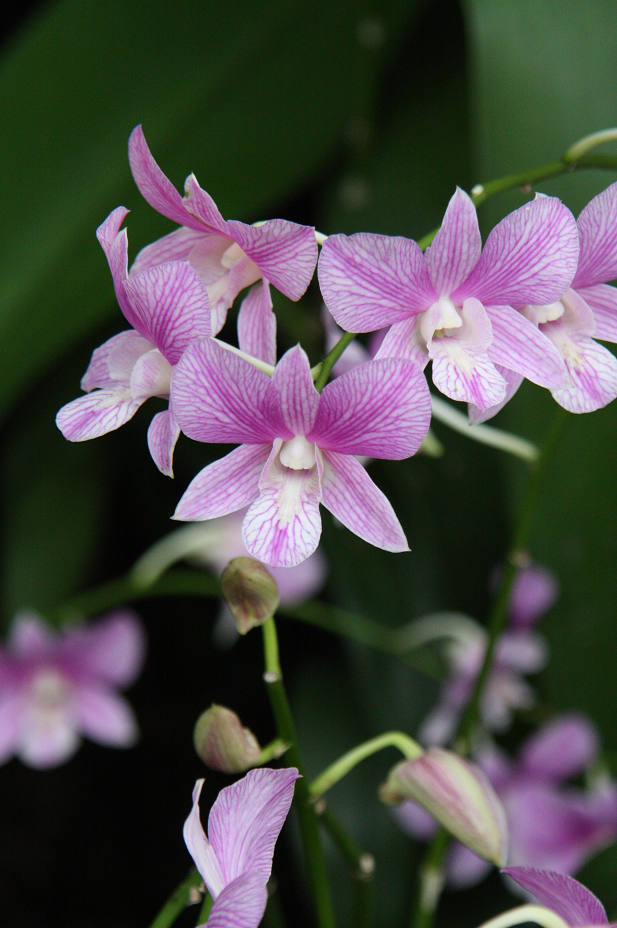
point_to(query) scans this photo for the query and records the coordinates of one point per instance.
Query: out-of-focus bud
(457, 794)
(223, 743)
(250, 592)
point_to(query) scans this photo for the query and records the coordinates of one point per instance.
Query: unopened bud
(222, 742)
(250, 592)
(457, 794)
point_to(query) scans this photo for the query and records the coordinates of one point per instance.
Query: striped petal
(562, 894)
(298, 398)
(520, 346)
(284, 252)
(112, 362)
(225, 485)
(464, 375)
(257, 324)
(241, 904)
(96, 414)
(592, 370)
(602, 299)
(597, 229)
(456, 248)
(163, 434)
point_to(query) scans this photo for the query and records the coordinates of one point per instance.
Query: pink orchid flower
(454, 305)
(563, 895)
(297, 446)
(167, 307)
(235, 857)
(227, 254)
(55, 687)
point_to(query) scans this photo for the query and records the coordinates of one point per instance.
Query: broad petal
(562, 749)
(369, 281)
(381, 409)
(176, 246)
(96, 414)
(462, 375)
(284, 252)
(241, 904)
(104, 717)
(563, 894)
(404, 340)
(257, 324)
(520, 346)
(163, 433)
(110, 650)
(151, 376)
(154, 186)
(203, 208)
(456, 247)
(246, 818)
(112, 362)
(299, 400)
(282, 526)
(512, 381)
(602, 300)
(593, 375)
(172, 307)
(200, 849)
(217, 396)
(597, 229)
(529, 257)
(350, 495)
(225, 485)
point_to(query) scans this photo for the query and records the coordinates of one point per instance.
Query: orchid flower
(235, 857)
(228, 255)
(562, 894)
(454, 305)
(550, 824)
(167, 307)
(56, 686)
(297, 446)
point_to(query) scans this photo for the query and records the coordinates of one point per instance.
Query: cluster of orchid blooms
(528, 304)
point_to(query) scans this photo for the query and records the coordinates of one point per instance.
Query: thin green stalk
(430, 881)
(344, 764)
(361, 864)
(205, 910)
(423, 915)
(177, 902)
(323, 369)
(286, 730)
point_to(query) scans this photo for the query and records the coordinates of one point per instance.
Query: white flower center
(49, 696)
(232, 256)
(548, 313)
(439, 320)
(297, 453)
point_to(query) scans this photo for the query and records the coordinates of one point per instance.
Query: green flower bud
(222, 742)
(250, 592)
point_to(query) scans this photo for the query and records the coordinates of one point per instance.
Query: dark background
(350, 116)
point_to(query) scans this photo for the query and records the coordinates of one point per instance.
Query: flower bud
(250, 592)
(222, 743)
(457, 794)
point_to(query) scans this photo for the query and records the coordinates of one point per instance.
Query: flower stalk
(409, 748)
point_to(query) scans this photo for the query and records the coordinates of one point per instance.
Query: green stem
(205, 910)
(430, 881)
(322, 371)
(177, 902)
(341, 767)
(361, 864)
(425, 913)
(272, 751)
(286, 730)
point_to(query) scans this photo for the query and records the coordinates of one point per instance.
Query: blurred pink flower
(56, 686)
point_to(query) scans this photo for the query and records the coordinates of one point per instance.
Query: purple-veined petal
(224, 486)
(593, 374)
(246, 818)
(404, 340)
(519, 345)
(284, 252)
(163, 433)
(202, 207)
(597, 229)
(241, 904)
(298, 398)
(110, 650)
(10, 723)
(257, 324)
(217, 396)
(96, 414)
(512, 381)
(200, 849)
(602, 299)
(463, 375)
(176, 246)
(171, 307)
(114, 243)
(282, 526)
(154, 186)
(563, 894)
(103, 716)
(151, 376)
(381, 409)
(456, 248)
(561, 749)
(533, 592)
(529, 257)
(112, 362)
(369, 281)
(349, 494)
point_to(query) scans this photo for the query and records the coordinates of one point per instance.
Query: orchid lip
(297, 453)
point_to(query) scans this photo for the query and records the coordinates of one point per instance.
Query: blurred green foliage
(350, 116)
